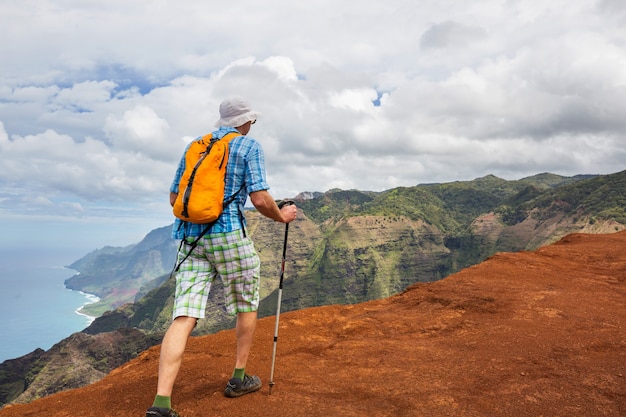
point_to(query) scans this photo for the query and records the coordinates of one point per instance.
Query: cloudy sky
(98, 99)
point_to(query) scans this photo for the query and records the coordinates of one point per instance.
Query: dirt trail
(523, 334)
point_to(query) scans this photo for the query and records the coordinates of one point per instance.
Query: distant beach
(91, 299)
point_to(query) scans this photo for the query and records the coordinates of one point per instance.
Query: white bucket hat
(235, 112)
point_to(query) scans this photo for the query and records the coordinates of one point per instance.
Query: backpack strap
(193, 246)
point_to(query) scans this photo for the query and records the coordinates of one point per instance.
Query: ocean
(37, 310)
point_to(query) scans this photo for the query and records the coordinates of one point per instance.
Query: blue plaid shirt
(246, 167)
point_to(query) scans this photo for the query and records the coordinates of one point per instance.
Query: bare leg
(172, 350)
(246, 324)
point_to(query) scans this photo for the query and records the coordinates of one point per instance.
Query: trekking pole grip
(285, 203)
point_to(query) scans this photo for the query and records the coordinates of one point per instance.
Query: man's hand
(265, 204)
(288, 211)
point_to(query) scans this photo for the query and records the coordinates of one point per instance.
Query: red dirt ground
(523, 334)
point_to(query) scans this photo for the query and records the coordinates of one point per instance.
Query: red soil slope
(523, 334)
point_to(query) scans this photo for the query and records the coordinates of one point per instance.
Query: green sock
(162, 402)
(239, 373)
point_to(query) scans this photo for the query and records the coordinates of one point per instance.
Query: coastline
(91, 299)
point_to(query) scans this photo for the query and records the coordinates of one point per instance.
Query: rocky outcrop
(17, 374)
(76, 361)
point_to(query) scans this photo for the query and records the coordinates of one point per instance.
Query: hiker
(225, 251)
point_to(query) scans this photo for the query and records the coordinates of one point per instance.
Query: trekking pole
(280, 294)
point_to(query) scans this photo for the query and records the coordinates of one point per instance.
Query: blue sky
(98, 99)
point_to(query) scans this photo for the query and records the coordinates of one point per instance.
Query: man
(225, 251)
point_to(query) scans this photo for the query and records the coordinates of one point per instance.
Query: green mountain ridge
(117, 275)
(345, 247)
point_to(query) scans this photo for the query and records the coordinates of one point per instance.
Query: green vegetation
(349, 247)
(603, 197)
(116, 275)
(405, 235)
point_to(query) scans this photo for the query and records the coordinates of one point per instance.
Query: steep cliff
(348, 247)
(522, 334)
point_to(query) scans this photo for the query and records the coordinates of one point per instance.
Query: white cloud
(97, 102)
(142, 131)
(451, 35)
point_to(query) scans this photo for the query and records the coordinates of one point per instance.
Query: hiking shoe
(161, 412)
(236, 387)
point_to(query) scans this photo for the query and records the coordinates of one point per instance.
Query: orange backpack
(200, 196)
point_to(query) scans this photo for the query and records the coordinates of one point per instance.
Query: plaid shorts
(232, 257)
